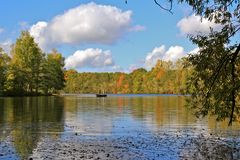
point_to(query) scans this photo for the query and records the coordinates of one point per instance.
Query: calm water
(25, 122)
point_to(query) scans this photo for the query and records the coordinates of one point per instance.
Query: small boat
(101, 95)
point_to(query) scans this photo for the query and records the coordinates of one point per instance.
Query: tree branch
(233, 93)
(166, 9)
(224, 60)
(216, 73)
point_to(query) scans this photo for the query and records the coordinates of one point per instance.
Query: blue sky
(132, 35)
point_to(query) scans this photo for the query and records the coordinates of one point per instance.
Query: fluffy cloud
(37, 31)
(114, 68)
(195, 25)
(6, 46)
(172, 54)
(137, 28)
(152, 57)
(90, 58)
(194, 51)
(87, 23)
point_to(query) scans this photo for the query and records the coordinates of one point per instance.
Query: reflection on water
(25, 121)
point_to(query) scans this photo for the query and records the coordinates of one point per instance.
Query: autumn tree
(162, 78)
(137, 78)
(182, 75)
(25, 64)
(28, 71)
(71, 78)
(52, 78)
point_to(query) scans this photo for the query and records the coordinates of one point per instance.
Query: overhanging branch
(157, 3)
(233, 93)
(166, 9)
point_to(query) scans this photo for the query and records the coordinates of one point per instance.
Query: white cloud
(194, 51)
(37, 30)
(172, 54)
(87, 23)
(137, 28)
(6, 46)
(90, 58)
(114, 68)
(152, 57)
(194, 25)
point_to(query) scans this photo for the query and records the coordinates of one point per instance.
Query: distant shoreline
(29, 95)
(94, 94)
(120, 94)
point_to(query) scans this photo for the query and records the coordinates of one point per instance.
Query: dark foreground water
(116, 127)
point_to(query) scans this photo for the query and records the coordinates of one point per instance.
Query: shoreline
(123, 95)
(168, 146)
(93, 94)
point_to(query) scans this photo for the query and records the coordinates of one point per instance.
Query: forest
(165, 78)
(29, 71)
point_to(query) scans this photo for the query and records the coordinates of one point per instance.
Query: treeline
(29, 71)
(165, 77)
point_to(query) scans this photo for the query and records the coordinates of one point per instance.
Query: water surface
(25, 123)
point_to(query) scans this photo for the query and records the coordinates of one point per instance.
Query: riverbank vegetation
(165, 77)
(29, 71)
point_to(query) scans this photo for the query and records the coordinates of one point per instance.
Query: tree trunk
(234, 89)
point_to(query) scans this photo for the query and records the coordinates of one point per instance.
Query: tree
(52, 78)
(216, 77)
(25, 64)
(137, 77)
(28, 71)
(163, 73)
(4, 61)
(160, 79)
(71, 78)
(182, 73)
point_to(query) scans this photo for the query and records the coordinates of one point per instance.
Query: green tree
(163, 78)
(137, 78)
(4, 61)
(15, 81)
(52, 78)
(28, 70)
(71, 78)
(182, 74)
(25, 64)
(163, 72)
(216, 77)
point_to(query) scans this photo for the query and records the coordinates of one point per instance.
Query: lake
(115, 127)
